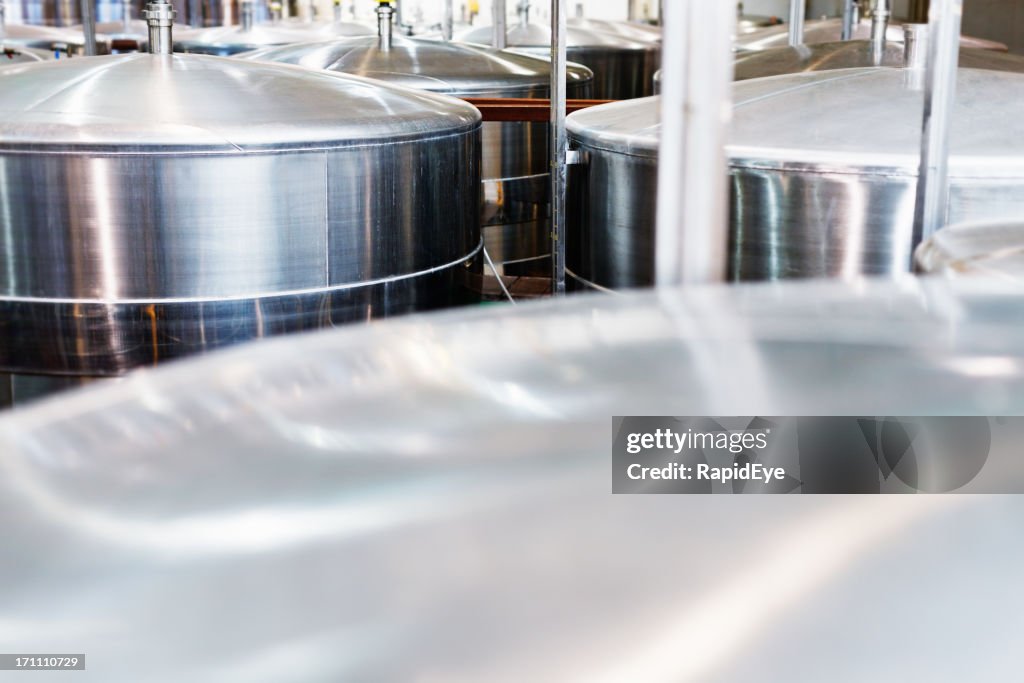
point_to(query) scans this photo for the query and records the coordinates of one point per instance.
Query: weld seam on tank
(250, 297)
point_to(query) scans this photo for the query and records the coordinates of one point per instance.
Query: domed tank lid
(993, 249)
(629, 30)
(453, 68)
(831, 31)
(853, 54)
(237, 38)
(47, 37)
(867, 119)
(169, 103)
(537, 36)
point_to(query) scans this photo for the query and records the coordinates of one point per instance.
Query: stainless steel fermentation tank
(623, 68)
(515, 155)
(154, 206)
(823, 167)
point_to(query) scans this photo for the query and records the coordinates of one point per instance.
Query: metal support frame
(931, 210)
(559, 143)
(692, 233)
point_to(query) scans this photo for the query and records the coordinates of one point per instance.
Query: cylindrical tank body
(623, 69)
(992, 249)
(153, 206)
(831, 31)
(824, 174)
(515, 155)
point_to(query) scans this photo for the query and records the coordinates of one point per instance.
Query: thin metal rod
(915, 46)
(559, 143)
(3, 21)
(692, 234)
(89, 26)
(448, 25)
(797, 13)
(195, 13)
(931, 211)
(498, 276)
(848, 11)
(247, 15)
(499, 39)
(879, 29)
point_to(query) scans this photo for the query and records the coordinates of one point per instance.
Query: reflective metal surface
(201, 202)
(993, 250)
(65, 41)
(265, 510)
(232, 40)
(623, 69)
(830, 31)
(853, 54)
(17, 54)
(515, 155)
(824, 171)
(629, 30)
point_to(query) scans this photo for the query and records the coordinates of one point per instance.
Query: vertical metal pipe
(126, 15)
(797, 13)
(385, 14)
(89, 26)
(247, 15)
(931, 210)
(310, 11)
(448, 25)
(559, 142)
(879, 29)
(337, 11)
(915, 46)
(3, 21)
(195, 13)
(848, 25)
(499, 39)
(160, 18)
(692, 234)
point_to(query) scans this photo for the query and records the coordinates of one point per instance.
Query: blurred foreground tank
(824, 174)
(315, 488)
(156, 205)
(515, 155)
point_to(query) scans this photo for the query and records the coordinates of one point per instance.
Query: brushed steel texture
(515, 155)
(198, 187)
(623, 69)
(831, 30)
(823, 168)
